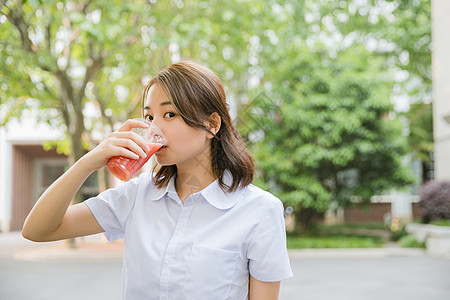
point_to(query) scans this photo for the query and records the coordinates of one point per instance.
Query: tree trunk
(75, 129)
(76, 153)
(103, 179)
(77, 150)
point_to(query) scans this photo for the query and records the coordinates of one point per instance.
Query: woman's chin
(163, 162)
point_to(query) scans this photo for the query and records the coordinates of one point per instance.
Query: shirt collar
(217, 197)
(169, 190)
(212, 193)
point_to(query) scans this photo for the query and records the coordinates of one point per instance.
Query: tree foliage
(399, 31)
(330, 137)
(312, 80)
(82, 64)
(325, 133)
(70, 57)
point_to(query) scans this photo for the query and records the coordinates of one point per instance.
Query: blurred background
(338, 101)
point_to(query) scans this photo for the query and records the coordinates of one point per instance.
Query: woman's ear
(214, 124)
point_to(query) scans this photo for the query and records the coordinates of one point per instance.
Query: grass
(333, 241)
(442, 222)
(345, 226)
(349, 235)
(353, 235)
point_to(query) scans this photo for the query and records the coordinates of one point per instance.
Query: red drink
(125, 168)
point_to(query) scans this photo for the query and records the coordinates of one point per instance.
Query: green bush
(409, 241)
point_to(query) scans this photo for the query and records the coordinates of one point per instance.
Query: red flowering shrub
(435, 201)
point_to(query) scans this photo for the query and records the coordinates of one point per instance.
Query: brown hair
(196, 92)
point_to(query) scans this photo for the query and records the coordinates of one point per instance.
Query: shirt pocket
(210, 273)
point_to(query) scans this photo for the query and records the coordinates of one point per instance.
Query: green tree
(420, 138)
(413, 40)
(68, 56)
(400, 31)
(76, 56)
(329, 137)
(324, 131)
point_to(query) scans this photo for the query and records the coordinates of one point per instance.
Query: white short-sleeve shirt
(205, 248)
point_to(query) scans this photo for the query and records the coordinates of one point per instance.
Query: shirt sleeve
(112, 207)
(267, 252)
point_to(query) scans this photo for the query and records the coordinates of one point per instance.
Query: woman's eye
(169, 115)
(148, 118)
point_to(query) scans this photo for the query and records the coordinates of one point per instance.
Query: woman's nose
(157, 129)
(156, 122)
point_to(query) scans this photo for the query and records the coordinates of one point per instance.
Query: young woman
(195, 228)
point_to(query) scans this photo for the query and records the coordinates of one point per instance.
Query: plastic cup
(125, 168)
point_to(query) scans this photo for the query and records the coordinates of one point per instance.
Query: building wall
(374, 212)
(440, 11)
(417, 212)
(22, 184)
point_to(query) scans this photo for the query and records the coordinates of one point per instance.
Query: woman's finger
(130, 145)
(126, 153)
(131, 123)
(132, 136)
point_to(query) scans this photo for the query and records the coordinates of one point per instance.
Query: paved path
(32, 271)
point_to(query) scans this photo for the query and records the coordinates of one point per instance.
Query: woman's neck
(194, 175)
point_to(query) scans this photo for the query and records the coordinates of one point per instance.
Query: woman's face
(184, 143)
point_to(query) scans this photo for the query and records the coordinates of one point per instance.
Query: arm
(261, 290)
(52, 218)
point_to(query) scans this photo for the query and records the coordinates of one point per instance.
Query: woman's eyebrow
(162, 104)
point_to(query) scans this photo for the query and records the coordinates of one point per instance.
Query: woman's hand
(122, 142)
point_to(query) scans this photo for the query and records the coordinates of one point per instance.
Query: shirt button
(167, 261)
